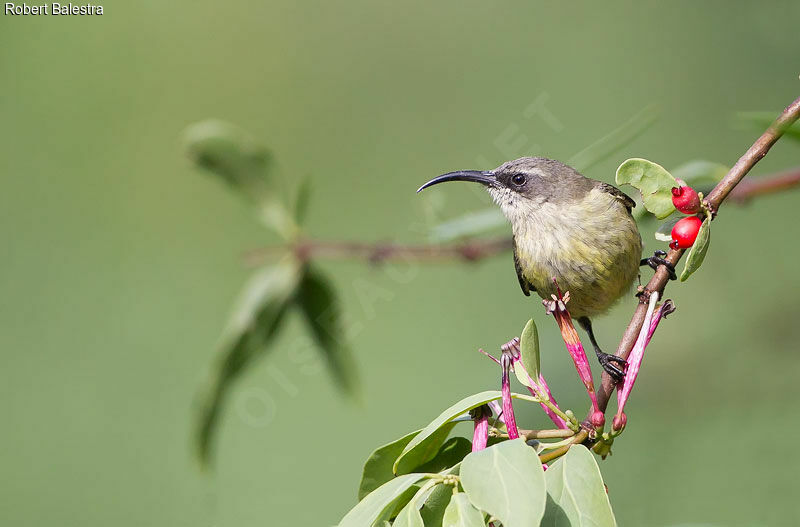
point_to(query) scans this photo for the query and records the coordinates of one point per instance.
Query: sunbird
(570, 228)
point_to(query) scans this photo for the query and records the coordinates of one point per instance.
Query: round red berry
(685, 198)
(684, 233)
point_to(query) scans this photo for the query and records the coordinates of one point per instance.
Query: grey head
(529, 180)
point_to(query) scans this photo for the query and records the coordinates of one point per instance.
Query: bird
(570, 232)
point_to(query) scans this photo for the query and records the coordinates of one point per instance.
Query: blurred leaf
(374, 506)
(232, 154)
(576, 486)
(320, 305)
(529, 348)
(762, 120)
(461, 513)
(664, 231)
(697, 253)
(468, 225)
(443, 421)
(507, 481)
(615, 140)
(252, 326)
(450, 454)
(700, 175)
(433, 509)
(301, 200)
(653, 181)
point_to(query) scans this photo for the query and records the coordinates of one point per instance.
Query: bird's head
(525, 184)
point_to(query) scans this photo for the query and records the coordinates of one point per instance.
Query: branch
(471, 251)
(715, 198)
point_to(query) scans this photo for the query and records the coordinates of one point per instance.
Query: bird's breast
(591, 248)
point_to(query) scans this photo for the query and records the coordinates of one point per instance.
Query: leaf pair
(254, 324)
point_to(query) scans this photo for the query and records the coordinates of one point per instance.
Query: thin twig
(715, 198)
(579, 438)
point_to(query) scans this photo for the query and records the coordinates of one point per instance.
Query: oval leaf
(575, 485)
(698, 251)
(435, 505)
(371, 508)
(410, 515)
(378, 467)
(529, 349)
(507, 481)
(443, 421)
(653, 181)
(461, 513)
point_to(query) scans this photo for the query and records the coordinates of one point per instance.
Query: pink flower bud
(598, 419)
(620, 420)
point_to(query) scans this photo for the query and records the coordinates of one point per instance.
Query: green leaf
(451, 453)
(698, 251)
(433, 510)
(461, 513)
(253, 324)
(700, 175)
(372, 508)
(664, 231)
(424, 450)
(378, 468)
(529, 348)
(653, 181)
(575, 485)
(443, 421)
(410, 515)
(554, 515)
(320, 305)
(232, 154)
(507, 481)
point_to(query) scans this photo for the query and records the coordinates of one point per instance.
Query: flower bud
(620, 420)
(598, 419)
(685, 198)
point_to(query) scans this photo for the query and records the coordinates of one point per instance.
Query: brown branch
(749, 189)
(470, 251)
(579, 438)
(714, 199)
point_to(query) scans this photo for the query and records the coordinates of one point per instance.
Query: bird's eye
(518, 179)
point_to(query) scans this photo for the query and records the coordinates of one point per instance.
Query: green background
(120, 261)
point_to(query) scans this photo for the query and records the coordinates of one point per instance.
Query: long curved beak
(477, 176)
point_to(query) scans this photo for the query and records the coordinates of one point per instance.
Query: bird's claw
(610, 364)
(657, 260)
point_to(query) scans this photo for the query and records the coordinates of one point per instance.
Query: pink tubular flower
(480, 437)
(649, 326)
(558, 308)
(508, 409)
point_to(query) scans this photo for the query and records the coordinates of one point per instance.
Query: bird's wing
(617, 193)
(523, 283)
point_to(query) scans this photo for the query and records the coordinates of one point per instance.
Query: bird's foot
(613, 365)
(657, 260)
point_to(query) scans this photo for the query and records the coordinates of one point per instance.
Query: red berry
(685, 198)
(684, 233)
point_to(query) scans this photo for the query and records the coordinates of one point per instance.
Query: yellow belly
(593, 252)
